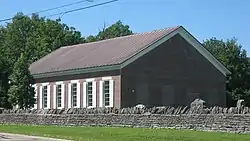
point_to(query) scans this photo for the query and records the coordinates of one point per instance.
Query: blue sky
(203, 18)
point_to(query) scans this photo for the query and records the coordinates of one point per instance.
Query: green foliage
(37, 37)
(3, 84)
(21, 92)
(34, 36)
(117, 29)
(231, 54)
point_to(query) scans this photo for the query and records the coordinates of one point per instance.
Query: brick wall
(117, 92)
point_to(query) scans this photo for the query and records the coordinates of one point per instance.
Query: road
(15, 137)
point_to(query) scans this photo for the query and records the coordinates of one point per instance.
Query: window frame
(43, 97)
(72, 95)
(88, 94)
(35, 96)
(57, 96)
(102, 92)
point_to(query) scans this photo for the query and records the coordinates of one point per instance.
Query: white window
(89, 93)
(74, 94)
(35, 96)
(59, 96)
(58, 100)
(106, 92)
(44, 96)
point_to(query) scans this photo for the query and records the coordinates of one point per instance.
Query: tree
(117, 29)
(91, 38)
(36, 37)
(3, 74)
(3, 84)
(21, 92)
(231, 54)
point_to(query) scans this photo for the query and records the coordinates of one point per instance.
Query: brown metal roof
(101, 53)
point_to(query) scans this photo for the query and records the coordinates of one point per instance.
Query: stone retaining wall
(228, 123)
(215, 118)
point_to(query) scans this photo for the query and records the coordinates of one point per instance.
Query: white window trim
(74, 81)
(78, 100)
(84, 94)
(69, 95)
(78, 92)
(48, 95)
(45, 84)
(107, 78)
(111, 97)
(90, 79)
(101, 94)
(59, 82)
(40, 97)
(54, 96)
(111, 85)
(35, 96)
(62, 95)
(93, 93)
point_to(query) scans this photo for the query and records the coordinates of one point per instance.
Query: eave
(77, 71)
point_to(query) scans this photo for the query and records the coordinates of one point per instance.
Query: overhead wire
(51, 9)
(78, 9)
(59, 7)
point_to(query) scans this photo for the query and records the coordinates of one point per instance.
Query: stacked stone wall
(234, 119)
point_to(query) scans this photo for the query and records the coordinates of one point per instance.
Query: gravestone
(197, 106)
(240, 105)
(140, 106)
(198, 103)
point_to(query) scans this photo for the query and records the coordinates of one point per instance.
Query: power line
(51, 9)
(59, 7)
(95, 5)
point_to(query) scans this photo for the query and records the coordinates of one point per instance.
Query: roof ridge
(115, 38)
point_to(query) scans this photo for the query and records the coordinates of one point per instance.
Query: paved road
(14, 137)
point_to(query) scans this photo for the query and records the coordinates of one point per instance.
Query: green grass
(121, 134)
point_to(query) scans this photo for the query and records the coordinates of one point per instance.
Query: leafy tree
(36, 37)
(91, 38)
(21, 92)
(231, 54)
(3, 84)
(3, 74)
(117, 29)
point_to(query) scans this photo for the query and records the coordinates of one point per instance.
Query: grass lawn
(121, 134)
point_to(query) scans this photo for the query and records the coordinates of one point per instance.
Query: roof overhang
(76, 71)
(181, 31)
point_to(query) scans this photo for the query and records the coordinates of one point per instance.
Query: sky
(223, 19)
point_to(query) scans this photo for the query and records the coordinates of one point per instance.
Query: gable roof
(111, 54)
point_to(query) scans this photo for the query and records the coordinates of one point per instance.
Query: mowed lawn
(121, 134)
